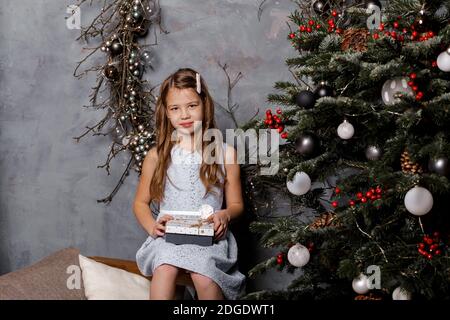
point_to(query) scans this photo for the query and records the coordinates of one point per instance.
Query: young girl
(175, 175)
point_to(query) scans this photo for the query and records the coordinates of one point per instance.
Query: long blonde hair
(210, 174)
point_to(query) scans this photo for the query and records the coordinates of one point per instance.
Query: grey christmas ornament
(116, 47)
(373, 153)
(307, 145)
(393, 89)
(439, 165)
(324, 90)
(305, 99)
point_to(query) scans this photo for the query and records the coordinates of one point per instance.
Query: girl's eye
(192, 105)
(174, 108)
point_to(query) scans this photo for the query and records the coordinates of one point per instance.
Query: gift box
(188, 227)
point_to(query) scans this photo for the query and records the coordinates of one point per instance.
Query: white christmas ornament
(345, 130)
(394, 87)
(205, 211)
(300, 184)
(401, 294)
(418, 201)
(298, 255)
(443, 61)
(361, 284)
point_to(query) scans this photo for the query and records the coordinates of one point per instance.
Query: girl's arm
(233, 190)
(141, 204)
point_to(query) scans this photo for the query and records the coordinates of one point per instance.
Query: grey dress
(184, 191)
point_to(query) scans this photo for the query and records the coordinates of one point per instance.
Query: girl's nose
(184, 113)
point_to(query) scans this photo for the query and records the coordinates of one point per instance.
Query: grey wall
(49, 184)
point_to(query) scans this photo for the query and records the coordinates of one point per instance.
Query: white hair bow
(199, 85)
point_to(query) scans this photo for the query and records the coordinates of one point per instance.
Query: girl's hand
(221, 219)
(159, 227)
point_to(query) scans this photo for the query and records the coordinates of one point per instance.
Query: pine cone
(355, 39)
(408, 166)
(370, 296)
(326, 219)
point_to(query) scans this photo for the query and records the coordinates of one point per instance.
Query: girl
(175, 174)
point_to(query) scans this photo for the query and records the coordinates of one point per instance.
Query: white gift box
(188, 227)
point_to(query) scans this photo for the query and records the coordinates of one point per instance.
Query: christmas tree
(369, 108)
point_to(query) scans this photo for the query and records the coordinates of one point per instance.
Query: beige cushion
(102, 282)
(46, 279)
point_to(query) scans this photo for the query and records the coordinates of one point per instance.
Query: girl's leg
(163, 282)
(206, 288)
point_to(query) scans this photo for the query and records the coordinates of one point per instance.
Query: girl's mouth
(186, 124)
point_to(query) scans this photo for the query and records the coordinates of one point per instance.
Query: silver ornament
(400, 293)
(345, 130)
(140, 127)
(418, 201)
(361, 284)
(373, 153)
(300, 184)
(298, 255)
(394, 88)
(443, 61)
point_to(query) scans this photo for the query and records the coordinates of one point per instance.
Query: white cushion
(102, 282)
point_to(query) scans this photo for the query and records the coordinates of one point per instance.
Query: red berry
(292, 35)
(364, 200)
(308, 29)
(431, 34)
(378, 190)
(413, 75)
(436, 234)
(268, 111)
(405, 30)
(318, 26)
(438, 252)
(395, 24)
(381, 27)
(415, 88)
(280, 129)
(302, 28)
(279, 111)
(429, 241)
(419, 95)
(410, 83)
(337, 190)
(352, 203)
(373, 198)
(334, 13)
(311, 22)
(368, 194)
(270, 122)
(334, 204)
(394, 34)
(376, 36)
(359, 195)
(331, 22)
(266, 121)
(421, 245)
(429, 256)
(284, 135)
(414, 34)
(338, 30)
(434, 64)
(378, 196)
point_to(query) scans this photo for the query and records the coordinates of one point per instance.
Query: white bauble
(401, 294)
(418, 201)
(300, 184)
(298, 255)
(443, 61)
(361, 284)
(345, 130)
(393, 87)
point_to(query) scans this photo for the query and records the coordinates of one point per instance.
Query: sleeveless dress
(185, 191)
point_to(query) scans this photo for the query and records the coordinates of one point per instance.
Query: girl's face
(184, 106)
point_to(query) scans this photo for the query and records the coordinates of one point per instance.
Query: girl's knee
(167, 269)
(202, 281)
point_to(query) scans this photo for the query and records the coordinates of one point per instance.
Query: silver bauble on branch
(345, 130)
(394, 88)
(373, 153)
(443, 61)
(361, 284)
(300, 184)
(418, 201)
(439, 165)
(298, 255)
(400, 293)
